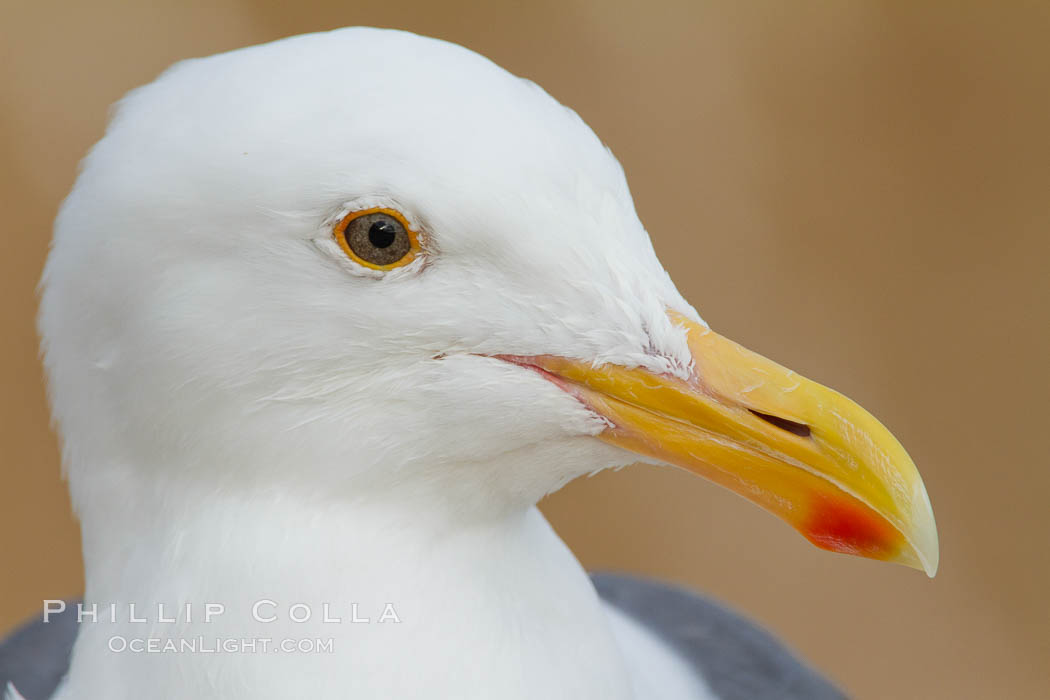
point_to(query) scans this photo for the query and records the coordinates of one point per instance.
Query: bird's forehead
(302, 122)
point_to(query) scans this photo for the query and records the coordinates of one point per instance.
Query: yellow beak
(798, 449)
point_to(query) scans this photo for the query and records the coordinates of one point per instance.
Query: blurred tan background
(858, 190)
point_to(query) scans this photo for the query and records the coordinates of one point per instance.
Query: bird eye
(377, 238)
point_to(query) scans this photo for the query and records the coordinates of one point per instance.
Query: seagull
(324, 319)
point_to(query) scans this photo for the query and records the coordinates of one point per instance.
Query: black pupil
(381, 234)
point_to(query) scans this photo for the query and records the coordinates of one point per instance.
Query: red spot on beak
(846, 525)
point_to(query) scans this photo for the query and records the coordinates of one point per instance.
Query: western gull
(323, 320)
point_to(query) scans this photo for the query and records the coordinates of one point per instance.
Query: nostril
(800, 429)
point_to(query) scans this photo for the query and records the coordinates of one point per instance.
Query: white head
(202, 320)
(198, 312)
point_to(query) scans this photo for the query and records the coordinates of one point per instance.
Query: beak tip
(922, 551)
(927, 562)
(929, 551)
(925, 541)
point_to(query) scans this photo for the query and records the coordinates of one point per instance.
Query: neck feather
(470, 597)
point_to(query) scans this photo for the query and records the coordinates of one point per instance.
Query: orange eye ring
(377, 238)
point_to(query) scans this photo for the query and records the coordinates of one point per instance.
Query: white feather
(247, 414)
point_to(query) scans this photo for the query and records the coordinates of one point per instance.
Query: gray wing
(737, 658)
(36, 655)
